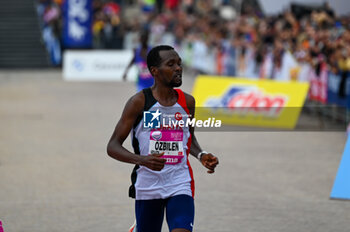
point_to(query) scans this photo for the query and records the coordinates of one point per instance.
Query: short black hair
(153, 57)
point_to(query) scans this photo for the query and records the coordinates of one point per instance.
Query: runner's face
(170, 69)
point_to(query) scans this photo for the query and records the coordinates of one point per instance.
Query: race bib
(168, 141)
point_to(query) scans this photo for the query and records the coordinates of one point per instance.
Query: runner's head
(165, 66)
(153, 57)
(144, 38)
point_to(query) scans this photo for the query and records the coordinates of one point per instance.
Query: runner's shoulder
(136, 102)
(191, 102)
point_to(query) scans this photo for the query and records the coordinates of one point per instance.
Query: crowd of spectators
(217, 37)
(300, 44)
(50, 20)
(106, 26)
(251, 45)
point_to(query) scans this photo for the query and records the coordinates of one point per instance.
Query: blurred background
(61, 94)
(302, 41)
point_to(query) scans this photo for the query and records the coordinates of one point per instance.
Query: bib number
(170, 142)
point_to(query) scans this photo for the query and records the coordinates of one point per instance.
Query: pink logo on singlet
(157, 135)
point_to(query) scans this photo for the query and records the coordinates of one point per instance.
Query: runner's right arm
(132, 61)
(115, 149)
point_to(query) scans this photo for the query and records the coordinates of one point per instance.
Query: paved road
(55, 174)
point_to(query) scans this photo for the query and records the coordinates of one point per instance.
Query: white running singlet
(176, 177)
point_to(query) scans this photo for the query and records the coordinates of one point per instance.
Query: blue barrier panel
(347, 90)
(77, 23)
(341, 187)
(333, 90)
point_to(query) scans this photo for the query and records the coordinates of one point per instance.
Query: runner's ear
(154, 71)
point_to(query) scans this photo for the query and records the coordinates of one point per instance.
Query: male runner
(144, 78)
(162, 179)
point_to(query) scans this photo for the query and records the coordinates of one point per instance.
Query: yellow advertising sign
(247, 102)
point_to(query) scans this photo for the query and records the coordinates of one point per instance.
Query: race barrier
(341, 187)
(247, 102)
(97, 65)
(333, 96)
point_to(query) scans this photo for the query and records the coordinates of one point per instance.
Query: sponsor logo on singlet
(178, 116)
(151, 119)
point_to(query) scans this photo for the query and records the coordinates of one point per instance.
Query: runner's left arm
(208, 160)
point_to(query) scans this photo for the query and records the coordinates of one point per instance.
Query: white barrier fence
(97, 65)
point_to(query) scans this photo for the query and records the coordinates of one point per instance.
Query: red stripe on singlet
(182, 102)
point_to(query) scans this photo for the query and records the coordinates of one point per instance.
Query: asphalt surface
(55, 174)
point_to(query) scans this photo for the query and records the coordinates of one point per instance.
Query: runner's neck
(165, 96)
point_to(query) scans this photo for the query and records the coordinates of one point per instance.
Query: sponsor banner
(77, 23)
(242, 102)
(96, 65)
(318, 85)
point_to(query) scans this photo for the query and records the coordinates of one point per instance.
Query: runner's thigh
(149, 215)
(180, 212)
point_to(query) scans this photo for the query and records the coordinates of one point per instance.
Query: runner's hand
(209, 161)
(154, 162)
